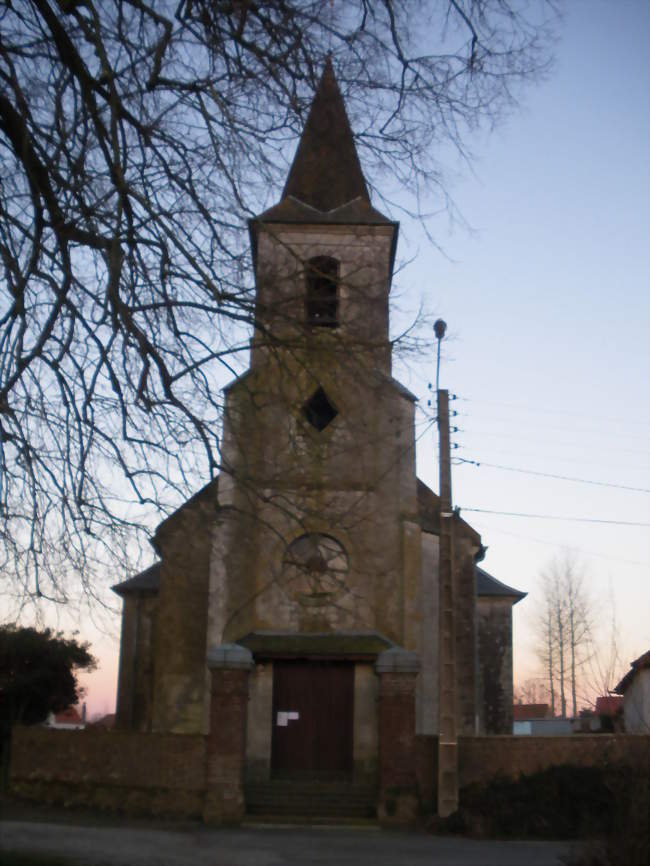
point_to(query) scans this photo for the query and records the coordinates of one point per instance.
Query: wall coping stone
(230, 656)
(397, 660)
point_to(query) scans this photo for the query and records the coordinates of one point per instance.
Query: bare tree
(605, 666)
(565, 627)
(136, 137)
(531, 691)
(546, 649)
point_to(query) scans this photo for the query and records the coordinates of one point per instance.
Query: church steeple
(325, 185)
(326, 173)
(323, 256)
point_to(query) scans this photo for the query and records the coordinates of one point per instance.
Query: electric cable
(552, 475)
(555, 517)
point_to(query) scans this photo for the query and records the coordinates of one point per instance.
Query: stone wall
(484, 758)
(495, 665)
(135, 684)
(184, 540)
(155, 774)
(466, 654)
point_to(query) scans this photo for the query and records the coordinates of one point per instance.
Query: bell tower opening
(321, 299)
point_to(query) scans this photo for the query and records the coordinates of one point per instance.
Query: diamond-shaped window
(318, 410)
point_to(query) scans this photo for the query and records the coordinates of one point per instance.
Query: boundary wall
(483, 758)
(153, 774)
(179, 775)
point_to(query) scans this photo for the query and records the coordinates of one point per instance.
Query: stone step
(356, 823)
(302, 799)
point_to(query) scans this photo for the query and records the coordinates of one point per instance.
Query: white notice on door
(286, 716)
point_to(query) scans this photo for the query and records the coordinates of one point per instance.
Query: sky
(548, 306)
(547, 299)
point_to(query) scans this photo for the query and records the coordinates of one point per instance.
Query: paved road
(200, 846)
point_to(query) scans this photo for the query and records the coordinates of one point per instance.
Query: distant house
(609, 712)
(635, 688)
(107, 721)
(536, 720)
(605, 718)
(529, 712)
(70, 719)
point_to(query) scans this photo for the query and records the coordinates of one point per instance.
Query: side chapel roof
(148, 581)
(486, 585)
(145, 582)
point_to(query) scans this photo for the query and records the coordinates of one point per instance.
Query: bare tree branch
(136, 138)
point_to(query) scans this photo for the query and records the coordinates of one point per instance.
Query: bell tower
(318, 448)
(323, 256)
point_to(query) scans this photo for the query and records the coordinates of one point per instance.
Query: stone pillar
(398, 791)
(224, 802)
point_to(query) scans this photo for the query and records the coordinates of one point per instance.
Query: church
(311, 562)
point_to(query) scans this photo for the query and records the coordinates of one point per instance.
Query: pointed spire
(326, 172)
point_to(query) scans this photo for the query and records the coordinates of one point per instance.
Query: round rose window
(315, 568)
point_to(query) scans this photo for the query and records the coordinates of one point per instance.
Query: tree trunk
(560, 649)
(551, 683)
(573, 662)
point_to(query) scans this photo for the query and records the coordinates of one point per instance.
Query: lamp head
(439, 328)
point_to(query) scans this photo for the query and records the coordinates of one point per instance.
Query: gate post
(230, 665)
(398, 790)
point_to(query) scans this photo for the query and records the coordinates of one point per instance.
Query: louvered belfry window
(322, 292)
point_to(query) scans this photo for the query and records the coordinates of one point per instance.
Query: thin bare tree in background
(546, 651)
(136, 137)
(531, 691)
(565, 628)
(605, 666)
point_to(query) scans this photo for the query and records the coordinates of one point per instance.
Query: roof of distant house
(107, 721)
(609, 705)
(637, 665)
(71, 716)
(528, 712)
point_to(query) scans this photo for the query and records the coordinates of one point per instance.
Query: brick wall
(116, 770)
(483, 758)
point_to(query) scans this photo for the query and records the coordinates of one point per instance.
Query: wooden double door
(313, 717)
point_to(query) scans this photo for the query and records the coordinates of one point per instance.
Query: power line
(556, 517)
(554, 544)
(522, 408)
(563, 458)
(552, 475)
(565, 442)
(540, 425)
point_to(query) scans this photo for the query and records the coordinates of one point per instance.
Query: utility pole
(448, 739)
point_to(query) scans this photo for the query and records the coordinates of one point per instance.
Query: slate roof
(145, 582)
(325, 182)
(429, 514)
(486, 585)
(643, 661)
(326, 172)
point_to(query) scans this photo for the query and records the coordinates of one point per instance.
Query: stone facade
(495, 664)
(318, 544)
